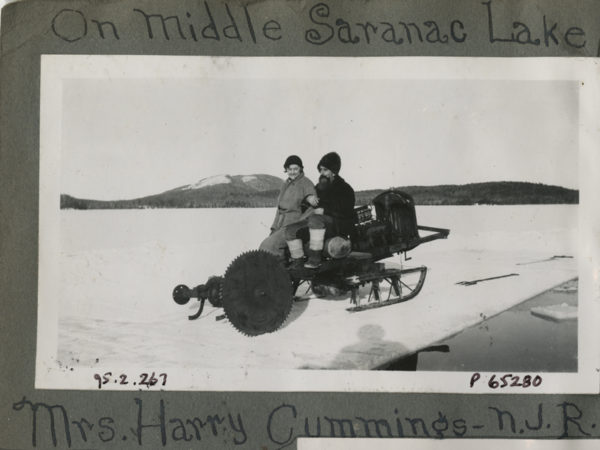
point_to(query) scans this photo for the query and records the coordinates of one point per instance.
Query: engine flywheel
(257, 293)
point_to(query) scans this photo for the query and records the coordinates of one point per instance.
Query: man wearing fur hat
(333, 217)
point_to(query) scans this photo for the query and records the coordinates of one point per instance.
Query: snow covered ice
(118, 269)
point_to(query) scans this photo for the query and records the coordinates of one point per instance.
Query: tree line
(492, 193)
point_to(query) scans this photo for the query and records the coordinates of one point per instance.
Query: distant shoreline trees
(491, 193)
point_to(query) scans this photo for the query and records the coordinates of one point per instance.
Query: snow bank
(555, 312)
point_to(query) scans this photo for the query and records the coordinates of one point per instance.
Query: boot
(314, 259)
(296, 253)
(315, 247)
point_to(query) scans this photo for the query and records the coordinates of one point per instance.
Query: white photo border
(57, 68)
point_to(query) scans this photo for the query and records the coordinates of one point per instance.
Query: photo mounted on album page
(317, 224)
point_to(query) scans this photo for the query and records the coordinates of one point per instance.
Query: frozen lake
(123, 264)
(514, 341)
(130, 228)
(118, 267)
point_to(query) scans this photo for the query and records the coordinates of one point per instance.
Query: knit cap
(292, 159)
(331, 161)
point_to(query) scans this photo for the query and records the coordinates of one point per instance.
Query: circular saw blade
(257, 293)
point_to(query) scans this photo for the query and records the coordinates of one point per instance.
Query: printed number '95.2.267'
(145, 379)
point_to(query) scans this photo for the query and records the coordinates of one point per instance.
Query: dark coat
(337, 201)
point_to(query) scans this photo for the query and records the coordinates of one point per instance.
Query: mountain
(260, 190)
(221, 191)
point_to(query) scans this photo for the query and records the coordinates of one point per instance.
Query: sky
(126, 138)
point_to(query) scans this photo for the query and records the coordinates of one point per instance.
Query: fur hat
(292, 159)
(331, 161)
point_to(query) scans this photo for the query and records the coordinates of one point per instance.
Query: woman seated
(296, 201)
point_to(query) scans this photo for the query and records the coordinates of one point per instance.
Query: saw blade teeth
(240, 256)
(257, 295)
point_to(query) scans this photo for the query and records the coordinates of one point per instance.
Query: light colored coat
(289, 202)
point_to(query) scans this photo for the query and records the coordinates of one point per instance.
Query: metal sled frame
(393, 278)
(257, 290)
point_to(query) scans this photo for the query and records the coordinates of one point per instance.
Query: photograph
(317, 224)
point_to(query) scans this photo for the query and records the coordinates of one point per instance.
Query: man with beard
(334, 215)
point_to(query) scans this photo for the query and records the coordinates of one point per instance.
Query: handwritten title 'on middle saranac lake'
(222, 22)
